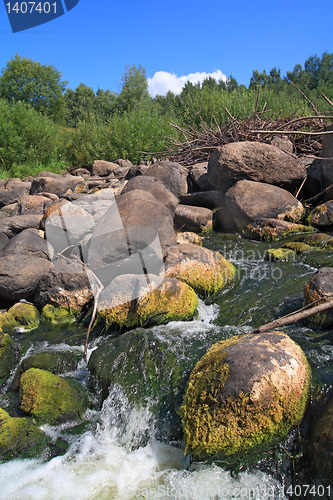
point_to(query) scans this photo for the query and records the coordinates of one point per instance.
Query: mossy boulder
(206, 271)
(51, 399)
(57, 362)
(297, 246)
(320, 289)
(6, 356)
(56, 315)
(19, 437)
(317, 239)
(273, 229)
(245, 393)
(172, 300)
(322, 216)
(279, 254)
(19, 315)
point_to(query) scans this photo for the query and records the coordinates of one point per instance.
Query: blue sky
(94, 42)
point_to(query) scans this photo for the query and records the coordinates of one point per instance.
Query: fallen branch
(329, 188)
(291, 132)
(294, 317)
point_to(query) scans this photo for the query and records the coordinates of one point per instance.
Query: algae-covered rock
(322, 216)
(6, 356)
(317, 239)
(297, 246)
(244, 393)
(173, 300)
(320, 289)
(20, 314)
(56, 362)
(20, 437)
(206, 271)
(274, 229)
(279, 254)
(51, 399)
(57, 315)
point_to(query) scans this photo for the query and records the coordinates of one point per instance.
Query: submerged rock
(51, 399)
(245, 392)
(320, 289)
(6, 356)
(279, 254)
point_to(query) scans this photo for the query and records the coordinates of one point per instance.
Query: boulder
(32, 204)
(57, 184)
(66, 286)
(280, 254)
(136, 170)
(245, 392)
(283, 143)
(254, 161)
(17, 223)
(20, 316)
(273, 229)
(6, 356)
(206, 271)
(207, 199)
(172, 174)
(51, 399)
(103, 168)
(13, 191)
(199, 177)
(28, 242)
(195, 219)
(20, 275)
(248, 201)
(133, 300)
(155, 187)
(3, 241)
(320, 289)
(189, 237)
(322, 216)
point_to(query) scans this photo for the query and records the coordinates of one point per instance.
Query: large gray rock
(172, 174)
(194, 219)
(155, 187)
(20, 274)
(248, 201)
(13, 191)
(58, 185)
(103, 168)
(11, 226)
(207, 199)
(254, 161)
(199, 177)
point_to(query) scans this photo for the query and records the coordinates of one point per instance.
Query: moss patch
(20, 314)
(51, 399)
(297, 247)
(280, 254)
(57, 315)
(6, 356)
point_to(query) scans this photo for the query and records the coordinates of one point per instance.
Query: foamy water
(122, 460)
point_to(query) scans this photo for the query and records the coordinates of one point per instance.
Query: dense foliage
(43, 124)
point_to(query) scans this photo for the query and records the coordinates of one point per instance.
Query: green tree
(29, 81)
(80, 103)
(134, 89)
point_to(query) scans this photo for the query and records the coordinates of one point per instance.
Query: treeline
(44, 124)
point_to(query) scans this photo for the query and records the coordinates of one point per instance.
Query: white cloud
(162, 81)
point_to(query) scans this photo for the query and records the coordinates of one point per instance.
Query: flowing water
(119, 454)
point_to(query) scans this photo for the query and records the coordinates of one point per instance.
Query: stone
(273, 229)
(29, 243)
(20, 316)
(206, 271)
(327, 165)
(280, 254)
(189, 237)
(322, 216)
(245, 392)
(32, 204)
(20, 275)
(66, 286)
(57, 184)
(155, 187)
(156, 302)
(208, 199)
(172, 174)
(103, 168)
(320, 289)
(248, 201)
(254, 161)
(13, 191)
(7, 356)
(199, 177)
(283, 143)
(3, 241)
(11, 226)
(195, 219)
(51, 399)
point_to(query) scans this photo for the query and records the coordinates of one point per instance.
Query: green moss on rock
(6, 356)
(279, 254)
(297, 246)
(245, 392)
(57, 315)
(51, 399)
(20, 314)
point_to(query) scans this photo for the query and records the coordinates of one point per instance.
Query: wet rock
(29, 243)
(172, 174)
(246, 392)
(320, 289)
(20, 275)
(322, 216)
(254, 161)
(133, 300)
(11, 226)
(317, 239)
(280, 254)
(6, 357)
(273, 229)
(196, 219)
(20, 315)
(66, 286)
(155, 187)
(207, 272)
(50, 398)
(248, 201)
(297, 246)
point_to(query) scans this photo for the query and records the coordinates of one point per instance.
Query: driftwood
(306, 312)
